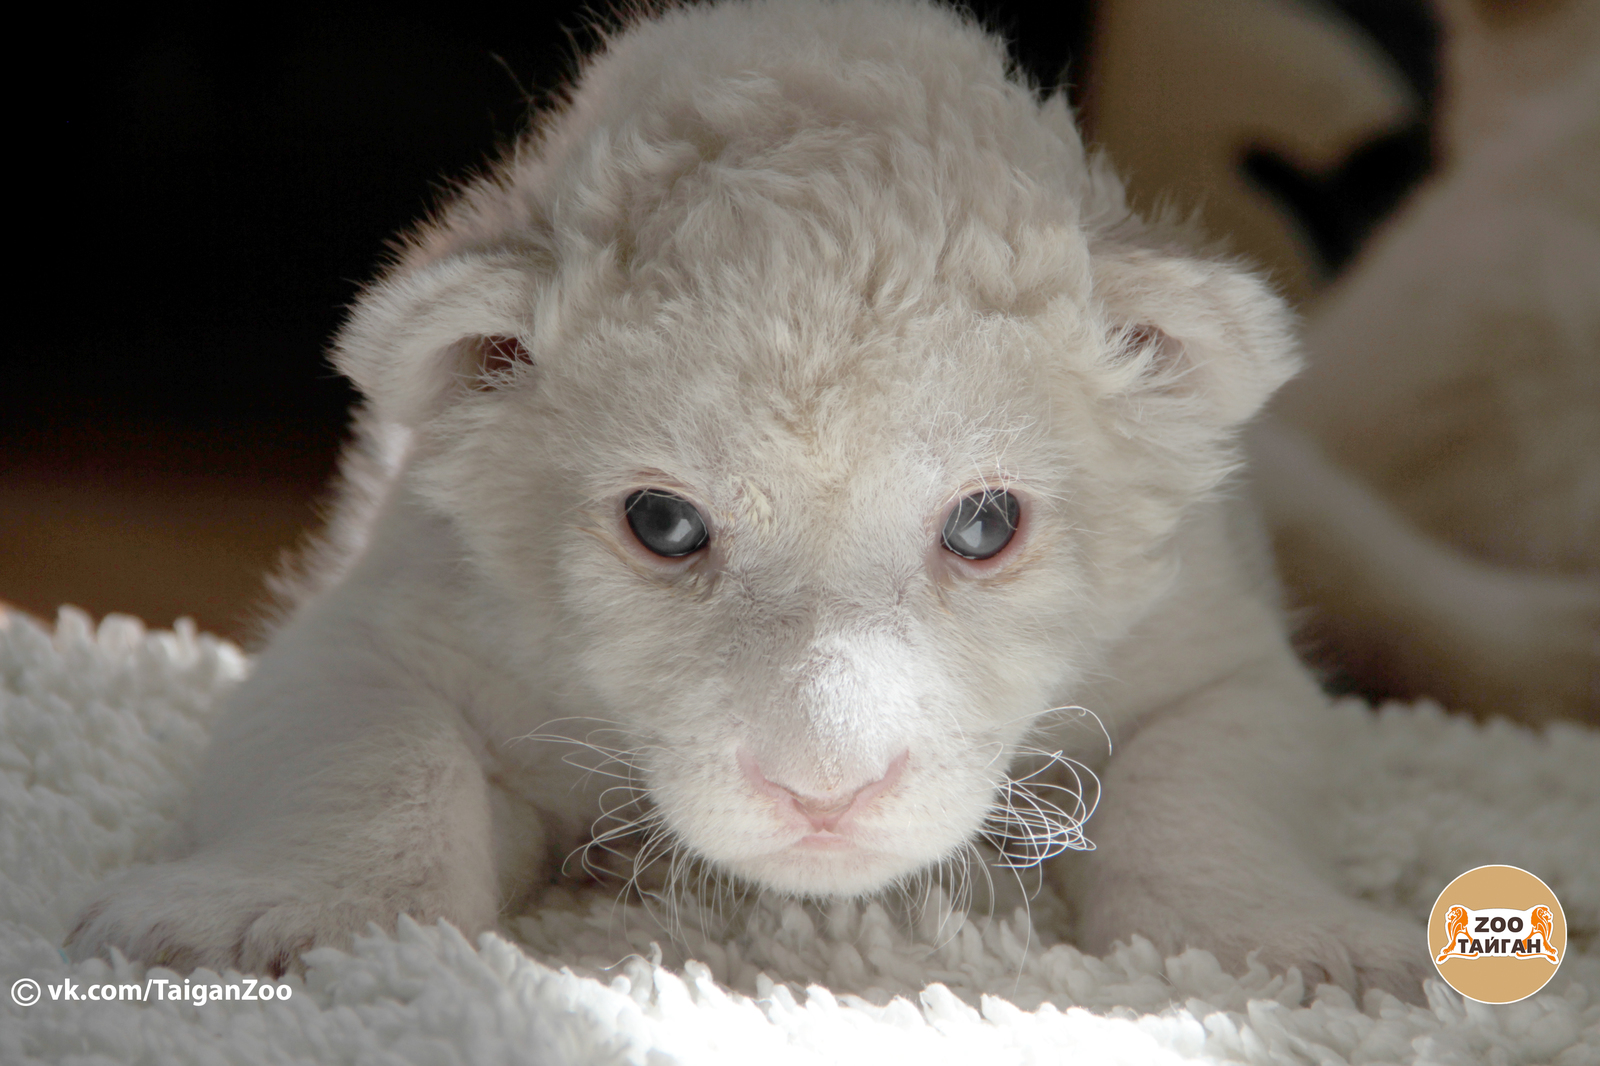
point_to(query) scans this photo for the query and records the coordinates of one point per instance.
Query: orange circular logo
(1497, 934)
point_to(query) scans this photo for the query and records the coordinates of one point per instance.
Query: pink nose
(824, 812)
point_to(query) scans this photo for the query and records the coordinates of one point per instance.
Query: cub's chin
(825, 868)
(858, 861)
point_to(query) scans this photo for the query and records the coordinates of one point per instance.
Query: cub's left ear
(417, 341)
(1194, 334)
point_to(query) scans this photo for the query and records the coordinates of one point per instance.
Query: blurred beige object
(1454, 379)
(1502, 54)
(1179, 89)
(1456, 367)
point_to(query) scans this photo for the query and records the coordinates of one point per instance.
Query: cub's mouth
(847, 837)
(856, 838)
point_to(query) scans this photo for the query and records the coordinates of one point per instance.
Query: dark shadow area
(209, 195)
(1339, 210)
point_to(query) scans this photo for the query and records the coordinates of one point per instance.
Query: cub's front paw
(1329, 938)
(195, 912)
(1354, 947)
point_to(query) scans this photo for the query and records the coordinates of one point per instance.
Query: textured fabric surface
(101, 729)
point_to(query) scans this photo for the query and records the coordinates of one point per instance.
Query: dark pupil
(981, 524)
(666, 524)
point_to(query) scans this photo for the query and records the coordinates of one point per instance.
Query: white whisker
(1027, 828)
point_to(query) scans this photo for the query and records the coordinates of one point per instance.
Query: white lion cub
(802, 412)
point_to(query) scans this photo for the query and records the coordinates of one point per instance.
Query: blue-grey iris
(666, 523)
(983, 523)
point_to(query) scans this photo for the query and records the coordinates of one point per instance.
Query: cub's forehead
(717, 403)
(805, 235)
(738, 151)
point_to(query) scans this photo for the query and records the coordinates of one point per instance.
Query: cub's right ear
(416, 341)
(1204, 341)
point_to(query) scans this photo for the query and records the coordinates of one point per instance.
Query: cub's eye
(983, 523)
(666, 523)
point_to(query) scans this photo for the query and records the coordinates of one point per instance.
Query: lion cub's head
(820, 414)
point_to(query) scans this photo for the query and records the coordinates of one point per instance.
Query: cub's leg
(1206, 837)
(341, 789)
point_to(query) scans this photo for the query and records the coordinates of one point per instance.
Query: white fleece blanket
(100, 730)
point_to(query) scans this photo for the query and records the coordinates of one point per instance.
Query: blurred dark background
(205, 195)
